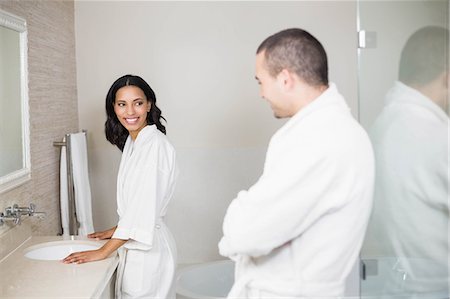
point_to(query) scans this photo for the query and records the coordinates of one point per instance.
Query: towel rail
(73, 222)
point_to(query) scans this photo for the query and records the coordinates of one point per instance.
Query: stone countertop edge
(23, 277)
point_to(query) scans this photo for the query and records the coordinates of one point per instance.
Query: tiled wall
(53, 104)
(13, 238)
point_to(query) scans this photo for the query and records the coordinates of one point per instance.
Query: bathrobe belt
(122, 252)
(159, 222)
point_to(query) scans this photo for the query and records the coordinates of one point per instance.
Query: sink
(57, 250)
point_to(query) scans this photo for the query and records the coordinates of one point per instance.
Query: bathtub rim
(189, 294)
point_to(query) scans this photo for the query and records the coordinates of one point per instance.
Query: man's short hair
(424, 56)
(297, 51)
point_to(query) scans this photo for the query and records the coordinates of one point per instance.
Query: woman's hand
(107, 234)
(85, 256)
(94, 255)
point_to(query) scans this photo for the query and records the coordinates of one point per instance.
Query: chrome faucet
(7, 216)
(15, 213)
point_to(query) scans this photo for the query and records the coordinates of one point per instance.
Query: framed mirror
(14, 116)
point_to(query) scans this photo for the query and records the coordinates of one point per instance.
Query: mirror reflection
(410, 139)
(14, 150)
(10, 106)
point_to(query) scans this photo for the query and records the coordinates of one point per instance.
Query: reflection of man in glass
(410, 138)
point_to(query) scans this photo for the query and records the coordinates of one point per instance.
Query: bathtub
(214, 280)
(205, 281)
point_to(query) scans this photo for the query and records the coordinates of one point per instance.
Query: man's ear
(285, 79)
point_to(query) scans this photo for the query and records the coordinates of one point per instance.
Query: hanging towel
(63, 195)
(83, 205)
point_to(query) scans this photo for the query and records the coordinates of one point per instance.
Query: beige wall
(199, 58)
(53, 103)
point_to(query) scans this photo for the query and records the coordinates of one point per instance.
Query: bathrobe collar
(143, 136)
(330, 96)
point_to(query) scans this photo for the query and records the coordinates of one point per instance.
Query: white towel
(81, 185)
(63, 197)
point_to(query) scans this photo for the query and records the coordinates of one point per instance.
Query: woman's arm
(94, 255)
(107, 234)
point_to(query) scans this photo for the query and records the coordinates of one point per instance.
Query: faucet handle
(32, 208)
(10, 210)
(16, 210)
(9, 216)
(33, 212)
(15, 213)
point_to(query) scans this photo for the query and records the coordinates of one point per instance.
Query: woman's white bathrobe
(297, 232)
(145, 184)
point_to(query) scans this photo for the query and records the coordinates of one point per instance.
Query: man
(297, 232)
(409, 224)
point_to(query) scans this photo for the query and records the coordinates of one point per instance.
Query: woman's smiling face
(131, 107)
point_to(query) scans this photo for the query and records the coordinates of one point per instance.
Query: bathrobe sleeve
(143, 186)
(302, 185)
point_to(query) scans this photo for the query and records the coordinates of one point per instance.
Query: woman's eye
(139, 103)
(120, 104)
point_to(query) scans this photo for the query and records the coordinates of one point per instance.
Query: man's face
(271, 88)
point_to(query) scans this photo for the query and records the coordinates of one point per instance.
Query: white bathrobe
(297, 232)
(411, 204)
(145, 185)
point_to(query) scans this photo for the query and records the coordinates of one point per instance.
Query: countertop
(21, 277)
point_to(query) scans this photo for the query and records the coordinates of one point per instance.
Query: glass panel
(403, 96)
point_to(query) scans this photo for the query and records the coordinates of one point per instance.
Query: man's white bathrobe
(145, 184)
(297, 232)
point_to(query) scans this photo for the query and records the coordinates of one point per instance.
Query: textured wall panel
(53, 103)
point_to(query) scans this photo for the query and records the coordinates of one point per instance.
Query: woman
(145, 184)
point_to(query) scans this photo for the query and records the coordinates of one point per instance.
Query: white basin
(51, 251)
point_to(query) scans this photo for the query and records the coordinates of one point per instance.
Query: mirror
(14, 117)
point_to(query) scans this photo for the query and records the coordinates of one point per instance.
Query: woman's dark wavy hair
(115, 132)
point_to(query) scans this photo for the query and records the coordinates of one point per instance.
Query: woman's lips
(131, 120)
